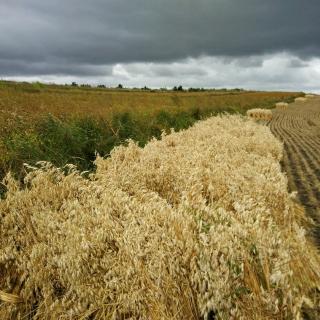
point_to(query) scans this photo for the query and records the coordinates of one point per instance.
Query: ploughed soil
(298, 127)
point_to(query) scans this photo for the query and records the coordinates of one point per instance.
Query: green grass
(78, 140)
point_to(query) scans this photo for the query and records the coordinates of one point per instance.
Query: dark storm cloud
(78, 37)
(29, 68)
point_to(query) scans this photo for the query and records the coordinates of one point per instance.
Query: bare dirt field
(299, 128)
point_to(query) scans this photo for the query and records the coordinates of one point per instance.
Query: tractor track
(298, 127)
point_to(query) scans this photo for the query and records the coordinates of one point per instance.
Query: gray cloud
(54, 67)
(275, 72)
(87, 38)
(297, 63)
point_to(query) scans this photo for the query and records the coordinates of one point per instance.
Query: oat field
(298, 127)
(67, 124)
(27, 102)
(197, 225)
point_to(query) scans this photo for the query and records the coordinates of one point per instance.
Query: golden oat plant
(198, 223)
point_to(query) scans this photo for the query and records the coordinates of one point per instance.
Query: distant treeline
(39, 85)
(145, 88)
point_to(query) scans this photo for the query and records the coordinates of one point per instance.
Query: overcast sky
(271, 44)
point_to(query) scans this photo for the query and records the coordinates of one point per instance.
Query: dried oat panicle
(198, 222)
(282, 105)
(260, 114)
(301, 99)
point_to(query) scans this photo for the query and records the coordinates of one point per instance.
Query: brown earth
(299, 129)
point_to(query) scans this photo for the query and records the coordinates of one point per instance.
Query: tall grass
(70, 125)
(33, 101)
(77, 140)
